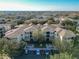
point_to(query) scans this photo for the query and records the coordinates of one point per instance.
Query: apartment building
(49, 32)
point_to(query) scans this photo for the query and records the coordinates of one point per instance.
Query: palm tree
(38, 35)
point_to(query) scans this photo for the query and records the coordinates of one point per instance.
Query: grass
(4, 56)
(62, 56)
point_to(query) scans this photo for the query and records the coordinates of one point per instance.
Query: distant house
(6, 26)
(2, 21)
(77, 29)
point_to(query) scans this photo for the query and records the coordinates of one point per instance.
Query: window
(0, 28)
(25, 37)
(47, 39)
(47, 34)
(21, 34)
(30, 34)
(25, 32)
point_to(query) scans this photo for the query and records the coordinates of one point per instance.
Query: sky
(39, 5)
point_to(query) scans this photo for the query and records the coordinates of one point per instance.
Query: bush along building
(39, 37)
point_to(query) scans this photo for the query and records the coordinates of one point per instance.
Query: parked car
(47, 52)
(26, 51)
(37, 52)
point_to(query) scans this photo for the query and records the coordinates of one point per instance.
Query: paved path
(30, 56)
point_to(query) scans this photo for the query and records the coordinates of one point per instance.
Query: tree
(38, 35)
(34, 22)
(75, 52)
(51, 20)
(75, 17)
(11, 47)
(62, 56)
(63, 46)
(20, 22)
(42, 22)
(13, 24)
(66, 49)
(70, 25)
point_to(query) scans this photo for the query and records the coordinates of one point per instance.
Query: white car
(26, 51)
(47, 53)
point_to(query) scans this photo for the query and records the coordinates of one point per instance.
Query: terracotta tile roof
(66, 33)
(14, 32)
(25, 28)
(48, 28)
(31, 28)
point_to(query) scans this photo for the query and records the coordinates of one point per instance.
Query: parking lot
(31, 52)
(32, 56)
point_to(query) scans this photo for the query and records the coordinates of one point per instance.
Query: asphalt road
(31, 56)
